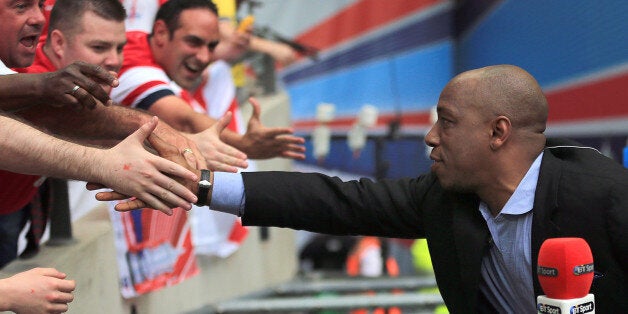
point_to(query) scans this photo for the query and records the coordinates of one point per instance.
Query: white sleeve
(139, 82)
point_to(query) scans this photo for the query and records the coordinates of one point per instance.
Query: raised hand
(233, 43)
(80, 84)
(261, 142)
(219, 156)
(38, 290)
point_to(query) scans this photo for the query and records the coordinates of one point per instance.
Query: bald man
(496, 190)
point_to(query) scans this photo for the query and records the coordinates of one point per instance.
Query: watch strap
(204, 186)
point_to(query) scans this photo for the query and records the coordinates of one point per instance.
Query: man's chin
(23, 61)
(188, 83)
(451, 185)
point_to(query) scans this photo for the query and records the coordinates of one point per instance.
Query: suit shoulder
(588, 161)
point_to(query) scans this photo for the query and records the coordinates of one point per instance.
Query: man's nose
(204, 55)
(36, 18)
(113, 61)
(431, 138)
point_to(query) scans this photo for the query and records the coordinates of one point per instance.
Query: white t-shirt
(4, 70)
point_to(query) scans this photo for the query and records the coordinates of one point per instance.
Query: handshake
(180, 186)
(140, 179)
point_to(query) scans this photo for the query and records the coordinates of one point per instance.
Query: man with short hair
(185, 33)
(25, 19)
(93, 31)
(22, 23)
(497, 189)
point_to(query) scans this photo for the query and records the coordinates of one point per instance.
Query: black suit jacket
(580, 193)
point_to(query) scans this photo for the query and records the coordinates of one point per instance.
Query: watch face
(204, 183)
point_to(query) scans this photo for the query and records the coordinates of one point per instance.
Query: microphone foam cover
(565, 268)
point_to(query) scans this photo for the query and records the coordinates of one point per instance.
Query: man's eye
(212, 45)
(445, 122)
(194, 42)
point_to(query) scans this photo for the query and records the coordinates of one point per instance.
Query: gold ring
(188, 150)
(76, 87)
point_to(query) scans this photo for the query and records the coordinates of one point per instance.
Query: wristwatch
(204, 186)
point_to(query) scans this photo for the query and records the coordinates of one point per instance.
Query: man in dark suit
(495, 192)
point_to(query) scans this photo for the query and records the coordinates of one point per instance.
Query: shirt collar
(522, 200)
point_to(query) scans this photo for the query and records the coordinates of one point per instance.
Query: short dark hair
(170, 11)
(65, 14)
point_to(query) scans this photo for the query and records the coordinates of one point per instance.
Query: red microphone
(565, 271)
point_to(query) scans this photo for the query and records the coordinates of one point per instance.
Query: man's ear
(58, 43)
(501, 128)
(161, 34)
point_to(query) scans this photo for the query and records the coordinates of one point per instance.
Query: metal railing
(304, 295)
(60, 217)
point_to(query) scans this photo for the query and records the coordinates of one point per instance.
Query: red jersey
(142, 80)
(18, 190)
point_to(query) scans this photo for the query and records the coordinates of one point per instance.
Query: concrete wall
(91, 259)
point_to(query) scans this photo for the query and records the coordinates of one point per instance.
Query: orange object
(246, 23)
(352, 264)
(353, 268)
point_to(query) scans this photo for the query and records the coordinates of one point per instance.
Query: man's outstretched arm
(259, 141)
(126, 167)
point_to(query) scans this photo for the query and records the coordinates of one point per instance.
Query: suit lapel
(471, 237)
(545, 203)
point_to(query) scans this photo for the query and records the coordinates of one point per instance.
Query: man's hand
(38, 290)
(261, 142)
(164, 150)
(170, 152)
(80, 84)
(127, 203)
(219, 156)
(233, 43)
(131, 170)
(186, 146)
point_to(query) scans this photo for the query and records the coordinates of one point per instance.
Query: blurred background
(359, 80)
(368, 74)
(397, 56)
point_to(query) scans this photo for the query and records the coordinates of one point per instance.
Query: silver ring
(188, 150)
(76, 87)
